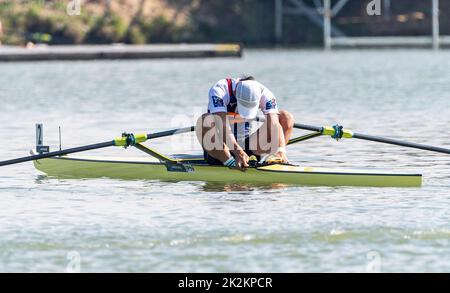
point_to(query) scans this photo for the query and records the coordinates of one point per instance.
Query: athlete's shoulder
(268, 101)
(266, 93)
(263, 87)
(221, 83)
(218, 97)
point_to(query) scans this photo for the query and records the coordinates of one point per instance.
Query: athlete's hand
(283, 157)
(241, 159)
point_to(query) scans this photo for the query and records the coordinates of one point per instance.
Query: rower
(225, 131)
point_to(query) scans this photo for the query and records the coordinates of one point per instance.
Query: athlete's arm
(275, 129)
(224, 130)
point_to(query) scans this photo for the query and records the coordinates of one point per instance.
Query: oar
(125, 141)
(338, 132)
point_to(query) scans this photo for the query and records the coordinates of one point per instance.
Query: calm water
(105, 225)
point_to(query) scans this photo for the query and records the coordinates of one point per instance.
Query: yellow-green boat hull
(143, 168)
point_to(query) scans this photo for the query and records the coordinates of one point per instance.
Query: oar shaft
(379, 139)
(401, 143)
(58, 153)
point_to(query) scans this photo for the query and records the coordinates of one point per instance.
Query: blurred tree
(245, 21)
(1, 32)
(135, 34)
(248, 21)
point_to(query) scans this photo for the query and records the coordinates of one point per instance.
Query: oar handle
(170, 132)
(298, 126)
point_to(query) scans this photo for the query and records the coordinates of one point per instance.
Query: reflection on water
(204, 186)
(41, 179)
(240, 187)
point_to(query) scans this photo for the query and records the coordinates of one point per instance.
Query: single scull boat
(192, 168)
(197, 170)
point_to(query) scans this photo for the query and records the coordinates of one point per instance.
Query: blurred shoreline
(117, 51)
(250, 22)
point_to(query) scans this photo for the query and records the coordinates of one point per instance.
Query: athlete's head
(248, 95)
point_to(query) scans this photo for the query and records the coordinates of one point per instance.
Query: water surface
(152, 226)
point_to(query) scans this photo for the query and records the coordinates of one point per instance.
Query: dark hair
(246, 77)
